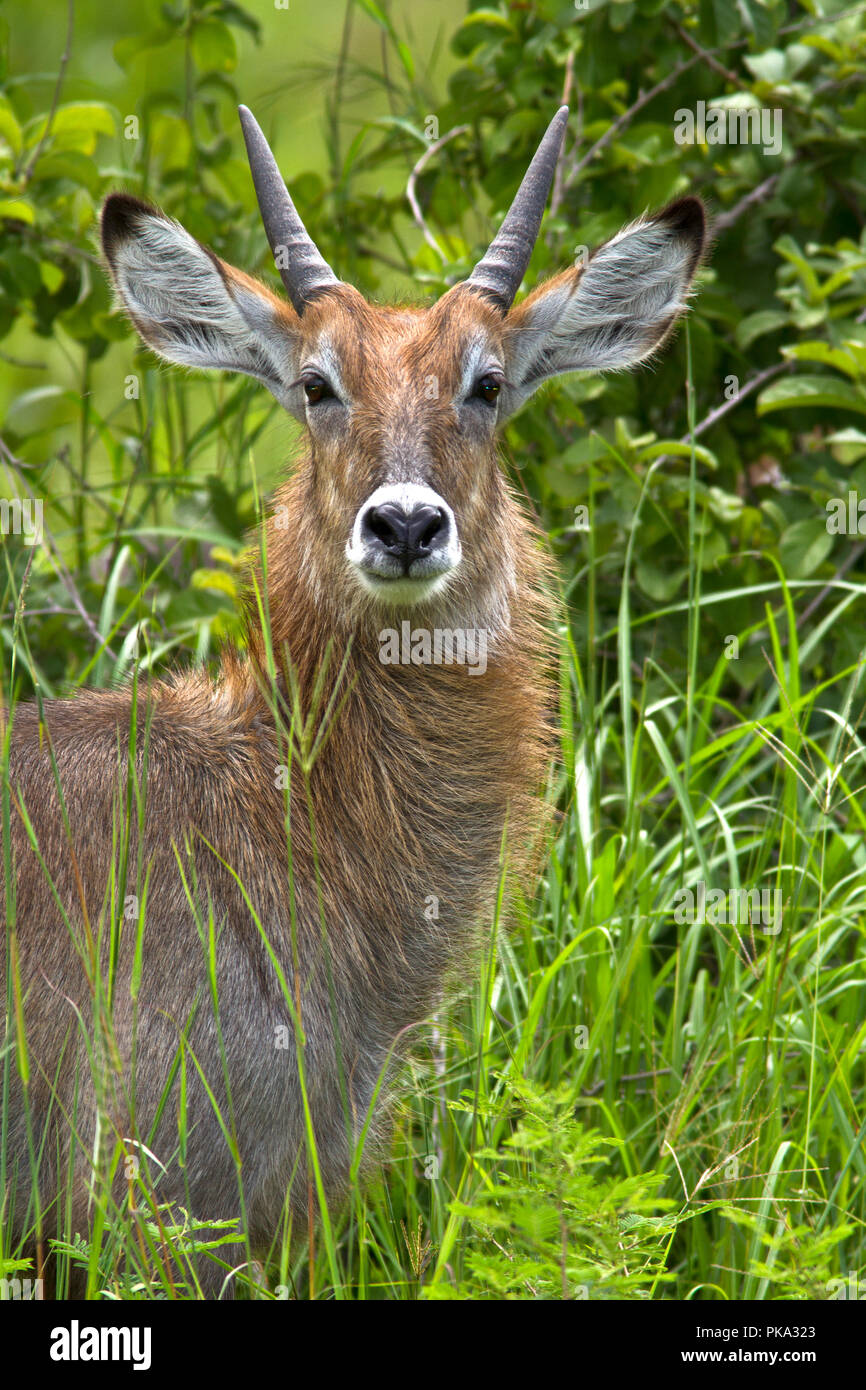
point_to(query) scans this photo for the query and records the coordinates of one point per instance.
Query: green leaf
(787, 247)
(756, 325)
(213, 46)
(10, 129)
(52, 276)
(490, 17)
(17, 210)
(84, 115)
(816, 350)
(406, 59)
(128, 49)
(679, 449)
(796, 392)
(375, 13)
(804, 547)
(218, 581)
(848, 446)
(27, 412)
(70, 164)
(23, 270)
(661, 585)
(769, 66)
(76, 126)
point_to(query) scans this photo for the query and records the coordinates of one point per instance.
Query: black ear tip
(688, 217)
(686, 214)
(121, 213)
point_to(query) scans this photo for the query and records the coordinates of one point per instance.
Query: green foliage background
(712, 634)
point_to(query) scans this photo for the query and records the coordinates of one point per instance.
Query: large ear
(611, 313)
(193, 308)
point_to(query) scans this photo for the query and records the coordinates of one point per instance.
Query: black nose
(407, 536)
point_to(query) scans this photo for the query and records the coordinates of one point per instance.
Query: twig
(706, 55)
(644, 98)
(813, 22)
(413, 178)
(700, 55)
(339, 75)
(19, 362)
(628, 1076)
(850, 559)
(558, 188)
(69, 247)
(757, 195)
(63, 572)
(68, 582)
(726, 406)
(54, 610)
(751, 385)
(57, 90)
(10, 458)
(374, 255)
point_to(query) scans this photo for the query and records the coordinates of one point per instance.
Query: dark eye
(316, 389)
(487, 388)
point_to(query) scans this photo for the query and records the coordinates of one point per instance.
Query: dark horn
(305, 269)
(499, 273)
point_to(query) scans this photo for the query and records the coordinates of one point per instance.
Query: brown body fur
(421, 770)
(410, 795)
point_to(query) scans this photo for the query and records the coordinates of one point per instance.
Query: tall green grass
(624, 1104)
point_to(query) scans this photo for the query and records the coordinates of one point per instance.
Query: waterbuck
(234, 898)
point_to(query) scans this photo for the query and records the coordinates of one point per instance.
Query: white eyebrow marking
(479, 356)
(324, 359)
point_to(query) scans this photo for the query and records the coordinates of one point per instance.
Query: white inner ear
(627, 295)
(611, 316)
(185, 311)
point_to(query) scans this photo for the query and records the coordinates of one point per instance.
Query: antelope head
(403, 499)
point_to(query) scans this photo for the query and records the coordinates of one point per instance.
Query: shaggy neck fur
(424, 766)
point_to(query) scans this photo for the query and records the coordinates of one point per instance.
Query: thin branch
(700, 55)
(10, 458)
(413, 178)
(339, 76)
(707, 56)
(644, 98)
(558, 185)
(850, 559)
(628, 1076)
(813, 22)
(68, 247)
(374, 255)
(757, 195)
(58, 86)
(65, 576)
(19, 362)
(54, 610)
(751, 385)
(60, 567)
(717, 414)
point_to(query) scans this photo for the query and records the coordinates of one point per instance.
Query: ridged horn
(302, 267)
(498, 274)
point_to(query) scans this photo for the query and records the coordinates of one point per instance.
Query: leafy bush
(658, 1106)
